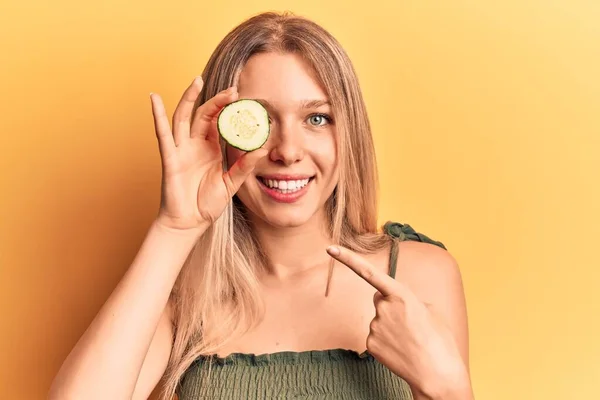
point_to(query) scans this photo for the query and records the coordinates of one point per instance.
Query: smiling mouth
(285, 186)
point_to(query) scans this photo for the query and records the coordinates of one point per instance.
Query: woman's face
(291, 185)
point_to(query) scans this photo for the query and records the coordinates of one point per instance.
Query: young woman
(264, 274)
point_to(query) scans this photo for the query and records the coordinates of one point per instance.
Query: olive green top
(316, 374)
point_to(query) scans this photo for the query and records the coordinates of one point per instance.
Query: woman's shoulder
(424, 263)
(432, 273)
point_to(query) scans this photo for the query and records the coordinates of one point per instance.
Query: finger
(166, 144)
(380, 281)
(213, 133)
(239, 171)
(183, 112)
(207, 112)
(375, 325)
(377, 298)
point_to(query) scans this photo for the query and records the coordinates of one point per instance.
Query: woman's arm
(107, 360)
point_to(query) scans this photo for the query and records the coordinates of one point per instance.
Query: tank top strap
(401, 232)
(393, 259)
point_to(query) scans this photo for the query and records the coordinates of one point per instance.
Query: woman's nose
(287, 146)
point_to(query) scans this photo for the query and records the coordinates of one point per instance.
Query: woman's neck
(294, 250)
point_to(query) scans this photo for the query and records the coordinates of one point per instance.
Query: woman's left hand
(408, 338)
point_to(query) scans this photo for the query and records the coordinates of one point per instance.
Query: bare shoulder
(427, 269)
(433, 274)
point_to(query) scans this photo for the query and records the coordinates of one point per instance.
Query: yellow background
(487, 124)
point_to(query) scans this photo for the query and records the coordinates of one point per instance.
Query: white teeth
(286, 186)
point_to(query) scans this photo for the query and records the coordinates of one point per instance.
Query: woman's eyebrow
(304, 104)
(314, 103)
(266, 104)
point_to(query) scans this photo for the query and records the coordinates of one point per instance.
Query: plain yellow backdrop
(486, 117)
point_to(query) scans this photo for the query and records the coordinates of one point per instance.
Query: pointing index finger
(384, 283)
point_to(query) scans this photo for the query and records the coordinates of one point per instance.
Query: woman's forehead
(280, 79)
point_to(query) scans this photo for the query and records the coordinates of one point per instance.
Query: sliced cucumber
(244, 124)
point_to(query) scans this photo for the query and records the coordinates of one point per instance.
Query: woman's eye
(318, 119)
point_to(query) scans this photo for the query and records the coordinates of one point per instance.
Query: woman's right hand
(195, 187)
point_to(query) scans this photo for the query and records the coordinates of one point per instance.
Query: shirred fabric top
(316, 374)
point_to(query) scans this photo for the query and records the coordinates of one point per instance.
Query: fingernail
(333, 250)
(197, 80)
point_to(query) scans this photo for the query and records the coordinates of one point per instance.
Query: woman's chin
(286, 219)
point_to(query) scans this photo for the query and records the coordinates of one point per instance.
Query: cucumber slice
(244, 124)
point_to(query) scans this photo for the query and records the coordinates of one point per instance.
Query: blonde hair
(216, 295)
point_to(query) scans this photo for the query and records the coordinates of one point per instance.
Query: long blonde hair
(216, 296)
